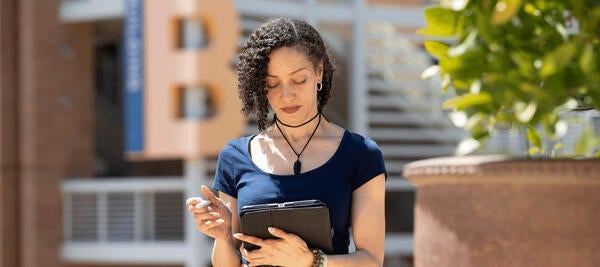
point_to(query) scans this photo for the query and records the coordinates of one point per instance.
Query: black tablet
(308, 219)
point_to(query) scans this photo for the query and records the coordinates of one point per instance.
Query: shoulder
(361, 142)
(237, 146)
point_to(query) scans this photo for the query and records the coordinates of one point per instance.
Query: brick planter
(496, 211)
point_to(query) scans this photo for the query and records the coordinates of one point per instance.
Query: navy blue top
(356, 161)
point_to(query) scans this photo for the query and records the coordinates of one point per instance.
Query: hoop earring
(319, 86)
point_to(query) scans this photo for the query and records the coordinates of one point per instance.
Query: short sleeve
(370, 164)
(224, 178)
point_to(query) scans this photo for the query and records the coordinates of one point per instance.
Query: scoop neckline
(335, 154)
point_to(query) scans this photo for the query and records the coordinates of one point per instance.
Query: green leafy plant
(519, 63)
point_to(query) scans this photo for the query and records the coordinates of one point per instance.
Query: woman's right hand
(213, 220)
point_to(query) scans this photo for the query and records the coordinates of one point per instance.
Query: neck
(298, 125)
(299, 133)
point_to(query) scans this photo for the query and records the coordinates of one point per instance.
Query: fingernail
(271, 229)
(237, 235)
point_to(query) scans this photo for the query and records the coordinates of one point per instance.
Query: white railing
(133, 220)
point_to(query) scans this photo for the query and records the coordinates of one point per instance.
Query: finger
(280, 233)
(208, 194)
(255, 257)
(208, 226)
(286, 236)
(213, 223)
(203, 216)
(248, 238)
(202, 204)
(193, 201)
(200, 207)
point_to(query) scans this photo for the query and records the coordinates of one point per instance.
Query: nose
(288, 92)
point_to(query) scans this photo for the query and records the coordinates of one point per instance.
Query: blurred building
(69, 195)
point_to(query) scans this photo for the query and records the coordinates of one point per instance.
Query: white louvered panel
(411, 135)
(84, 223)
(405, 115)
(418, 151)
(121, 217)
(408, 86)
(168, 215)
(403, 103)
(393, 118)
(402, 71)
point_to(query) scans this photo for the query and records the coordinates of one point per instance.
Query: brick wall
(8, 134)
(55, 124)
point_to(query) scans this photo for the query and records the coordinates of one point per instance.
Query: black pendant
(297, 167)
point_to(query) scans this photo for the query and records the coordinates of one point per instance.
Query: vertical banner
(133, 62)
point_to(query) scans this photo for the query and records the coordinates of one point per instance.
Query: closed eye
(300, 82)
(272, 86)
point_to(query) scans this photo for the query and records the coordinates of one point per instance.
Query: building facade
(70, 197)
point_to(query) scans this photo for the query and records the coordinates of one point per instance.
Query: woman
(297, 155)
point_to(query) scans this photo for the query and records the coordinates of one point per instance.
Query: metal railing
(133, 220)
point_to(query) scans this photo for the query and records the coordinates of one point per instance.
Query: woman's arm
(218, 220)
(368, 226)
(226, 251)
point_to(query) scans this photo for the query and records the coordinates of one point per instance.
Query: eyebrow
(302, 68)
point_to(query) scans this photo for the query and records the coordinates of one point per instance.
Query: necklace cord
(298, 164)
(295, 126)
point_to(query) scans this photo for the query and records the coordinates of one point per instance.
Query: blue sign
(133, 62)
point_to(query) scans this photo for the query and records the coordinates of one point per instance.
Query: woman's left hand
(288, 250)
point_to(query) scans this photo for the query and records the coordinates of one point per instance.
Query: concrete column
(8, 135)
(55, 123)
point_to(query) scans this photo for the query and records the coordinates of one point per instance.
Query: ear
(319, 71)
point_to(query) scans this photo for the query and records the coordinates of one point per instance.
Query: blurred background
(95, 163)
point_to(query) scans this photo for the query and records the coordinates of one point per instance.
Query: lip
(290, 110)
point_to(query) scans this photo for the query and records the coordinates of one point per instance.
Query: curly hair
(253, 60)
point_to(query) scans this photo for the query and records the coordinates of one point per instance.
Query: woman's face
(291, 85)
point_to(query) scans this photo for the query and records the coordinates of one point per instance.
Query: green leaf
(466, 66)
(431, 71)
(587, 62)
(533, 150)
(558, 59)
(537, 92)
(555, 148)
(441, 22)
(467, 100)
(446, 81)
(532, 10)
(587, 143)
(436, 48)
(464, 45)
(534, 137)
(505, 10)
(524, 112)
(455, 4)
